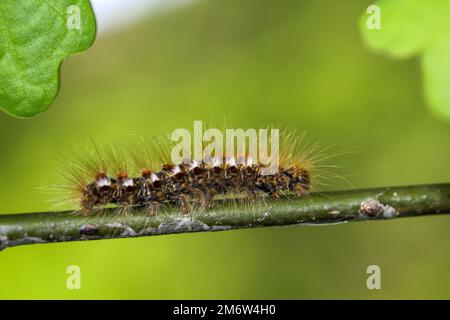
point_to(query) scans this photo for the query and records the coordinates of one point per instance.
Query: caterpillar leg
(186, 207)
(198, 197)
(125, 210)
(87, 207)
(203, 199)
(276, 195)
(208, 198)
(153, 208)
(254, 197)
(300, 191)
(86, 211)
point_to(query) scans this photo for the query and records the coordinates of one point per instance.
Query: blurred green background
(290, 63)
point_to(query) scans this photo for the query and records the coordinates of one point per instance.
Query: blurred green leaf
(415, 27)
(35, 36)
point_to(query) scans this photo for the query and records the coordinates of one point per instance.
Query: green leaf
(35, 36)
(436, 68)
(416, 27)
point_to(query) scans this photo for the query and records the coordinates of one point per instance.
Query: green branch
(333, 207)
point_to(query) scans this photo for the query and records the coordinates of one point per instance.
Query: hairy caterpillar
(128, 177)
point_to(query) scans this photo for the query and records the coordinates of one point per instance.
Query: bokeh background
(300, 64)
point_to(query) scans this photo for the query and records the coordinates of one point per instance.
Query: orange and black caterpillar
(192, 184)
(131, 175)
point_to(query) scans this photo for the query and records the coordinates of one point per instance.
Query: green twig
(334, 207)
